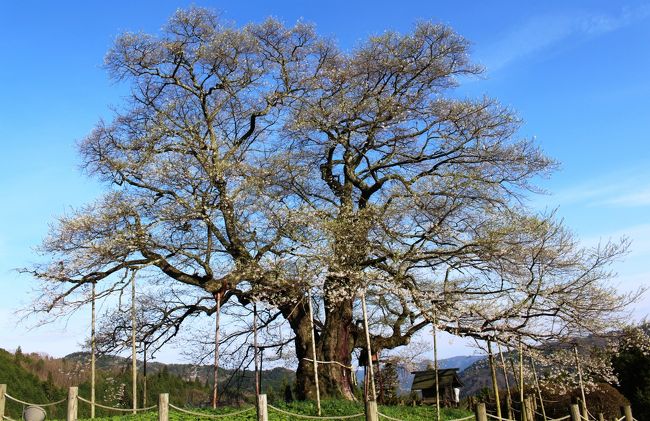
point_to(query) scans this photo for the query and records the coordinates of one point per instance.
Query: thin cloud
(620, 189)
(635, 199)
(542, 32)
(639, 236)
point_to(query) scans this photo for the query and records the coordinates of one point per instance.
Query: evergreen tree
(18, 355)
(389, 384)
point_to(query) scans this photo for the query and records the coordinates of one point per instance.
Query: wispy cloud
(632, 271)
(638, 235)
(634, 199)
(618, 189)
(544, 31)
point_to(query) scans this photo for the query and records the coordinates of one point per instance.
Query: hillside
(273, 380)
(16, 372)
(40, 379)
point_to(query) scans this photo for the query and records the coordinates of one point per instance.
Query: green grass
(329, 408)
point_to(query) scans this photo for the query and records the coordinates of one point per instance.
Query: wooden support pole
(163, 407)
(435, 363)
(525, 409)
(262, 408)
(514, 370)
(524, 416)
(627, 411)
(372, 414)
(92, 351)
(134, 360)
(530, 410)
(539, 389)
(505, 377)
(255, 352)
(585, 414)
(368, 348)
(481, 413)
(3, 391)
(521, 379)
(313, 351)
(215, 373)
(144, 374)
(575, 412)
(583, 410)
(73, 393)
(495, 384)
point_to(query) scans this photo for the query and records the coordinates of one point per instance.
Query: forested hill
(39, 378)
(272, 379)
(16, 371)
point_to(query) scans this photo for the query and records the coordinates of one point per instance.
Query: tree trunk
(337, 342)
(299, 322)
(334, 344)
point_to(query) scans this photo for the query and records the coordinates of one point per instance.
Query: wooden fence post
(627, 411)
(531, 408)
(163, 407)
(526, 410)
(575, 412)
(481, 413)
(73, 393)
(372, 414)
(583, 408)
(262, 408)
(3, 390)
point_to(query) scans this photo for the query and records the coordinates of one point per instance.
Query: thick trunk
(299, 321)
(334, 346)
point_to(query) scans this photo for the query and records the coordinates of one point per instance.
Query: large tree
(261, 162)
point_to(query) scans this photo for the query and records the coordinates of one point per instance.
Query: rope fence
(566, 417)
(8, 396)
(99, 405)
(499, 418)
(164, 406)
(390, 418)
(207, 415)
(314, 417)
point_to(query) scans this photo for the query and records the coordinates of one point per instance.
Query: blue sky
(576, 72)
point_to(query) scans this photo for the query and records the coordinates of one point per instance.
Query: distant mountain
(274, 378)
(460, 362)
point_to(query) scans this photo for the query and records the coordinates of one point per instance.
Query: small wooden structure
(448, 381)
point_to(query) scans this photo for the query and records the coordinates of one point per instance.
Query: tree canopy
(262, 161)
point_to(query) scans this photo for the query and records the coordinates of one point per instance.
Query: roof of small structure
(427, 379)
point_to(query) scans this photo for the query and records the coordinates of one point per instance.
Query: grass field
(329, 408)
